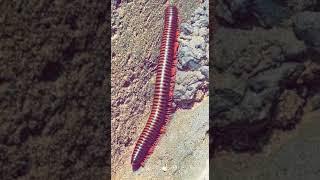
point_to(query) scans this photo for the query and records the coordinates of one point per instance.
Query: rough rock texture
(289, 109)
(193, 59)
(53, 90)
(265, 69)
(265, 90)
(307, 27)
(265, 13)
(250, 80)
(137, 28)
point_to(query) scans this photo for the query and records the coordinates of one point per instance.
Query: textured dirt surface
(53, 92)
(182, 153)
(137, 28)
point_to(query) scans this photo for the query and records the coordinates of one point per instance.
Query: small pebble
(164, 168)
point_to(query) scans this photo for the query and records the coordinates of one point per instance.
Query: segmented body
(162, 98)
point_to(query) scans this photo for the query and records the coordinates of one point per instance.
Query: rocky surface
(137, 28)
(265, 75)
(264, 13)
(289, 109)
(307, 28)
(192, 77)
(53, 89)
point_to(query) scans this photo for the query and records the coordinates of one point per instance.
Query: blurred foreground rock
(265, 70)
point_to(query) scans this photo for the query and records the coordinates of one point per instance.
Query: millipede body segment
(163, 93)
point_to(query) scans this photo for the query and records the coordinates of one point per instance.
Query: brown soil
(53, 92)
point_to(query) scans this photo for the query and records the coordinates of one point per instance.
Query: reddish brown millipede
(163, 93)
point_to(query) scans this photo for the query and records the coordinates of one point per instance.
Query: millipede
(163, 92)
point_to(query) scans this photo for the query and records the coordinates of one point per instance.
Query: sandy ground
(182, 152)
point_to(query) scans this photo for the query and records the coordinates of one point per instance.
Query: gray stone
(204, 31)
(185, 51)
(196, 24)
(185, 92)
(179, 91)
(223, 12)
(233, 10)
(204, 21)
(311, 74)
(183, 36)
(198, 53)
(187, 78)
(315, 102)
(186, 28)
(205, 71)
(230, 83)
(248, 77)
(188, 62)
(307, 27)
(269, 13)
(191, 57)
(183, 95)
(252, 108)
(190, 54)
(298, 5)
(228, 91)
(255, 50)
(289, 109)
(274, 77)
(199, 11)
(198, 42)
